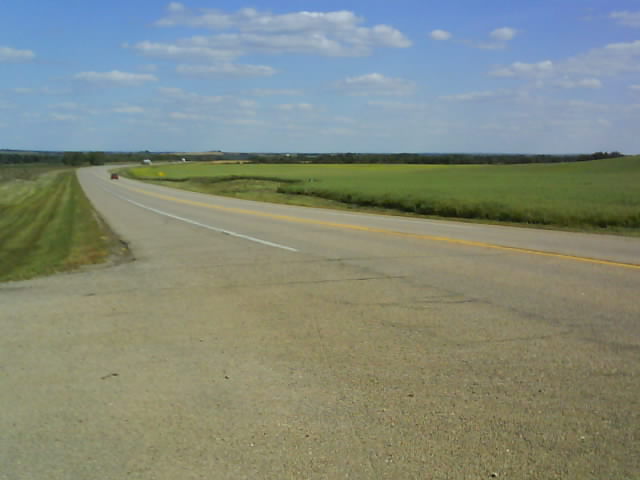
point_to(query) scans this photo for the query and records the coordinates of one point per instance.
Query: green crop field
(599, 194)
(46, 223)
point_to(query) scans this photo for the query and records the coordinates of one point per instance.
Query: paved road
(261, 341)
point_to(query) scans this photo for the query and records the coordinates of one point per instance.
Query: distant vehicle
(115, 176)
(146, 161)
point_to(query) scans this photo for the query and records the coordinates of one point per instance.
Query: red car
(115, 176)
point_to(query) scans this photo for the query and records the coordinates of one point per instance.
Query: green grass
(47, 224)
(600, 194)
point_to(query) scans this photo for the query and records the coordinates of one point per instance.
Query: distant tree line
(65, 158)
(75, 159)
(100, 158)
(16, 157)
(429, 159)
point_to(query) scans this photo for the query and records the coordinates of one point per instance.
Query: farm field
(47, 224)
(595, 195)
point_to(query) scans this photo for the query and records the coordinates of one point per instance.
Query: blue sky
(543, 76)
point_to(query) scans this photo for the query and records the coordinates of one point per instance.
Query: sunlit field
(600, 194)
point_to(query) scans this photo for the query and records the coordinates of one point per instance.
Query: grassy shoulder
(601, 195)
(47, 224)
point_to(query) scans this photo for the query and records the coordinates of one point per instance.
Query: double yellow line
(383, 231)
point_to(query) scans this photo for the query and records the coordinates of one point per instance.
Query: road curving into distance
(252, 340)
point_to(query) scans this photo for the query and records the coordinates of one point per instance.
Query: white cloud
(503, 34)
(62, 117)
(8, 54)
(186, 116)
(634, 87)
(39, 91)
(337, 131)
(180, 16)
(338, 33)
(520, 69)
(116, 78)
(302, 107)
(478, 96)
(227, 70)
(582, 83)
(245, 122)
(612, 59)
(65, 106)
(184, 105)
(244, 103)
(498, 39)
(375, 84)
(389, 105)
(252, 20)
(129, 109)
(74, 107)
(149, 67)
(583, 105)
(267, 92)
(175, 7)
(626, 18)
(440, 35)
(344, 120)
(580, 71)
(179, 94)
(190, 50)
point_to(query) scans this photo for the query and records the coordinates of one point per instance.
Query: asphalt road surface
(258, 341)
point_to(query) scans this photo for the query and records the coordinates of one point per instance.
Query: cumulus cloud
(611, 59)
(39, 91)
(63, 117)
(301, 107)
(11, 55)
(626, 18)
(178, 94)
(338, 33)
(175, 7)
(478, 96)
(187, 105)
(581, 83)
(115, 78)
(226, 70)
(268, 92)
(149, 67)
(66, 106)
(440, 35)
(503, 34)
(391, 105)
(375, 84)
(521, 69)
(129, 109)
(580, 71)
(186, 116)
(189, 49)
(499, 39)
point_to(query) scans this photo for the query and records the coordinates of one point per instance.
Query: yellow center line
(418, 236)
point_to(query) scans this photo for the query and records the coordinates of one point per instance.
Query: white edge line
(208, 227)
